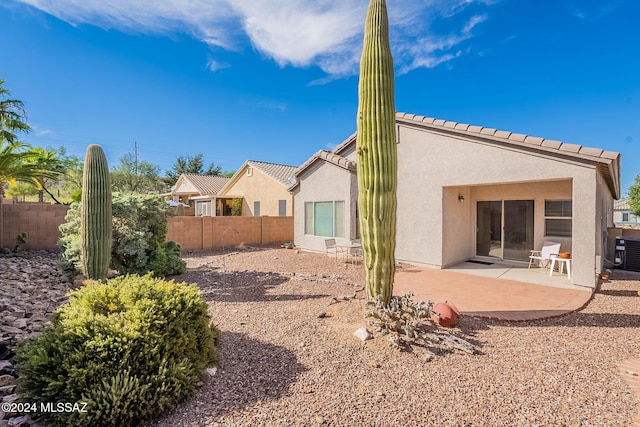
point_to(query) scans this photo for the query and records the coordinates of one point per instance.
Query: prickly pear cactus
(377, 155)
(95, 214)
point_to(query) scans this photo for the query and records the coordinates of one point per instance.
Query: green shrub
(236, 207)
(130, 349)
(139, 232)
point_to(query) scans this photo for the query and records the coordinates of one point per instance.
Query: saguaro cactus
(95, 214)
(377, 155)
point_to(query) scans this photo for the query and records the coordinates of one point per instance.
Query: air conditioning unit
(628, 253)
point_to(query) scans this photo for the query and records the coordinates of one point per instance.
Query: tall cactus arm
(377, 155)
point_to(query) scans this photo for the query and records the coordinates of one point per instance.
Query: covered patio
(500, 291)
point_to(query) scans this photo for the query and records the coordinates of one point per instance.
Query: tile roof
(608, 161)
(345, 143)
(207, 184)
(282, 173)
(621, 205)
(327, 156)
(508, 137)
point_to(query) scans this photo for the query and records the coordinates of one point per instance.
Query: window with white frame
(557, 218)
(203, 208)
(324, 218)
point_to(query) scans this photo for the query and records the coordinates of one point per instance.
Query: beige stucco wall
(323, 182)
(435, 229)
(618, 219)
(259, 187)
(460, 218)
(604, 220)
(184, 186)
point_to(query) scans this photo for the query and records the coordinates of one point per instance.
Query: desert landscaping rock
(6, 380)
(363, 334)
(7, 390)
(10, 398)
(32, 287)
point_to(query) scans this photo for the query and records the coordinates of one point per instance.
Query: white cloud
(267, 104)
(475, 20)
(214, 65)
(42, 132)
(298, 32)
(330, 146)
(323, 33)
(583, 12)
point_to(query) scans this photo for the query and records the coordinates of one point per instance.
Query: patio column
(584, 229)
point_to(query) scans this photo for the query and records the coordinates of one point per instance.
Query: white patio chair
(330, 247)
(549, 250)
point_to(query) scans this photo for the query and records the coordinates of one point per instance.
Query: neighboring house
(263, 188)
(325, 199)
(622, 216)
(199, 191)
(470, 192)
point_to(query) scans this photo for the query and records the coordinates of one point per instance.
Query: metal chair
(330, 247)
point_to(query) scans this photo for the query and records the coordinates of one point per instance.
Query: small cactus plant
(377, 155)
(95, 215)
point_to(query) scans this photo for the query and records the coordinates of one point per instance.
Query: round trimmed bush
(131, 349)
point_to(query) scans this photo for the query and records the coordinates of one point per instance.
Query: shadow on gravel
(624, 276)
(240, 286)
(250, 371)
(618, 292)
(601, 320)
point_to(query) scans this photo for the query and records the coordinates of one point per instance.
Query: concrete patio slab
(493, 293)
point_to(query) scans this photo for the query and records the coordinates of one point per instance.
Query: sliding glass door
(489, 228)
(518, 229)
(505, 229)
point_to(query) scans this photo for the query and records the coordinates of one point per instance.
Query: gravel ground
(281, 365)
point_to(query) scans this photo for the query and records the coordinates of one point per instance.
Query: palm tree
(17, 163)
(49, 165)
(12, 116)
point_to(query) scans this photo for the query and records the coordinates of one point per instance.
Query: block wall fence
(41, 222)
(208, 232)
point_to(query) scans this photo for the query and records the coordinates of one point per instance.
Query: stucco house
(622, 216)
(263, 188)
(470, 192)
(199, 191)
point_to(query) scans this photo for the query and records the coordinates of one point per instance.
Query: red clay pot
(448, 314)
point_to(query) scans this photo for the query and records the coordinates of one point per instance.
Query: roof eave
(554, 148)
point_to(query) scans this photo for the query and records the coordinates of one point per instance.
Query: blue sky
(276, 80)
